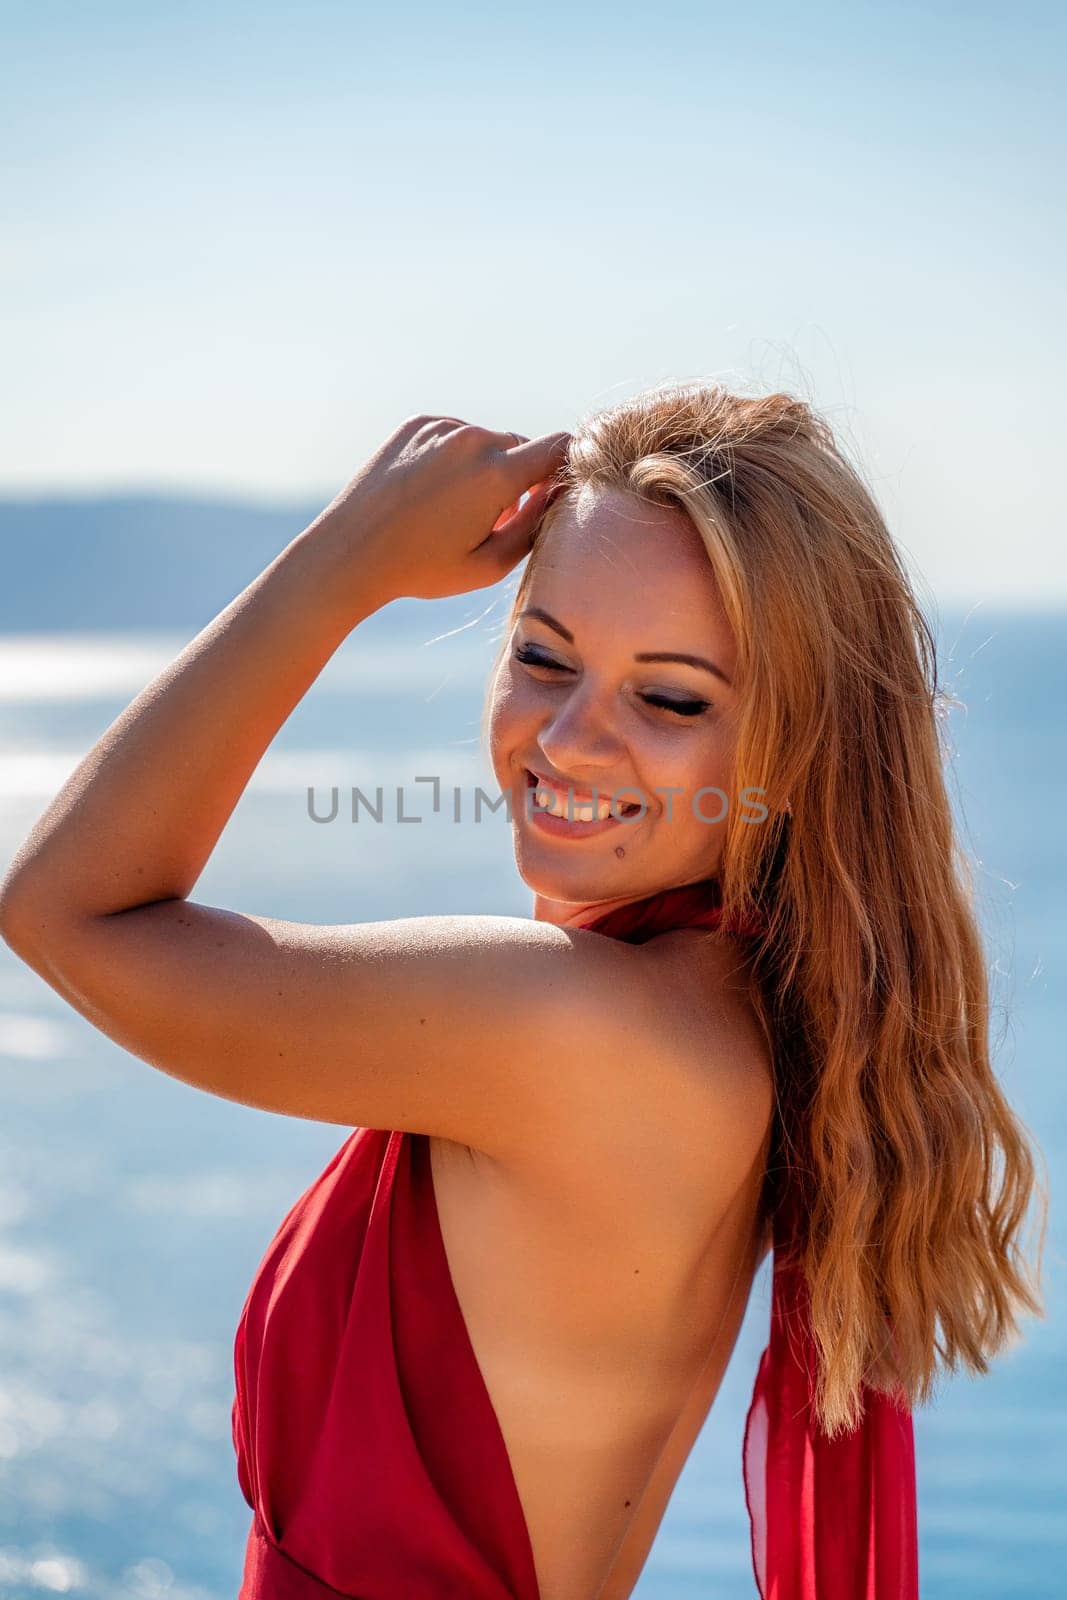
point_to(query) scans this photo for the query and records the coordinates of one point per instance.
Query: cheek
(514, 698)
(687, 765)
(505, 714)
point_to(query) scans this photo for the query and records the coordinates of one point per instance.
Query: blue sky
(243, 241)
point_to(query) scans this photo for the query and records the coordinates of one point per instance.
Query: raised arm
(137, 820)
(534, 1043)
(557, 1051)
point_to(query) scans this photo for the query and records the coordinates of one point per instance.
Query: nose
(580, 740)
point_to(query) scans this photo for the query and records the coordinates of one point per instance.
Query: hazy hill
(132, 561)
(138, 562)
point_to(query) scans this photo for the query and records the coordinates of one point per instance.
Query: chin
(578, 884)
(585, 882)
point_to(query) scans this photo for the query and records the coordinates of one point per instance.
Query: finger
(509, 542)
(443, 425)
(546, 492)
(538, 458)
(511, 510)
(506, 515)
(508, 441)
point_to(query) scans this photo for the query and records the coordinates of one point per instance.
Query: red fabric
(366, 1442)
(368, 1447)
(831, 1519)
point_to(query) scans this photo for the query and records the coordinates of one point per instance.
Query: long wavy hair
(892, 1135)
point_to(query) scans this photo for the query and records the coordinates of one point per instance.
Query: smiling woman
(599, 689)
(724, 1027)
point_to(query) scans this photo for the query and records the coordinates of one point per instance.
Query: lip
(559, 788)
(562, 827)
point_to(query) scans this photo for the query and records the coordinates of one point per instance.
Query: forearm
(141, 814)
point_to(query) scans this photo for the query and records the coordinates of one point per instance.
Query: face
(584, 697)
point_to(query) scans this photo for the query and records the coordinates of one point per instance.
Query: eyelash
(687, 709)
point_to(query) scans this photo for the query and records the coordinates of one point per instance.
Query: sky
(242, 242)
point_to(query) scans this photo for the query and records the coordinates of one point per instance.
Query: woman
(481, 1344)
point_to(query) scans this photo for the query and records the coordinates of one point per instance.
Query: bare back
(603, 1312)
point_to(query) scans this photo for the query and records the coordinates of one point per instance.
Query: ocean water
(134, 1208)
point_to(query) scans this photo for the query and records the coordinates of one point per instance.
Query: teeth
(547, 800)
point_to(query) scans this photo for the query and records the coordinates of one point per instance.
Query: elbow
(26, 914)
(16, 899)
(39, 933)
(10, 910)
(15, 920)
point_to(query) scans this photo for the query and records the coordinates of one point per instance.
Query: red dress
(368, 1447)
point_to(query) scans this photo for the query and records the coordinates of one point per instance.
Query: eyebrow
(642, 655)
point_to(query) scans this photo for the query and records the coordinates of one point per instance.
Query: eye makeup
(531, 655)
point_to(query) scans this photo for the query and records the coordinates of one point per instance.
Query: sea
(134, 1208)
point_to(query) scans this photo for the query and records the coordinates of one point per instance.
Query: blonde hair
(891, 1131)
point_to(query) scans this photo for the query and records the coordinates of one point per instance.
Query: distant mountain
(140, 562)
(133, 561)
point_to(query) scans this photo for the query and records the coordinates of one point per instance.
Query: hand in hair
(436, 510)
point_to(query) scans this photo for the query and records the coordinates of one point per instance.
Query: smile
(555, 811)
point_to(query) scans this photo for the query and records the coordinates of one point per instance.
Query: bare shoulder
(680, 1112)
(704, 988)
(552, 1050)
(715, 974)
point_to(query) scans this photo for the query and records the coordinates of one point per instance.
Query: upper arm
(500, 1032)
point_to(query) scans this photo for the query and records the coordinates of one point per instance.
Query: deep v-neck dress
(368, 1447)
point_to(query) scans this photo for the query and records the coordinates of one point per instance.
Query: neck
(571, 914)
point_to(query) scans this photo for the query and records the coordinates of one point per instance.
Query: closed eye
(530, 656)
(683, 708)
